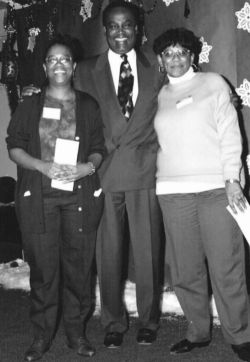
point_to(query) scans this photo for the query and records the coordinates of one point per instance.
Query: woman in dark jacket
(58, 226)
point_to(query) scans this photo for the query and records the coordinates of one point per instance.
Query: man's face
(121, 30)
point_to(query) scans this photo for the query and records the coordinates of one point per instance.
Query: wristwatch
(92, 168)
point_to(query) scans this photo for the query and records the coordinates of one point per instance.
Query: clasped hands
(65, 173)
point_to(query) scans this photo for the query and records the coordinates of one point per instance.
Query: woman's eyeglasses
(169, 54)
(52, 60)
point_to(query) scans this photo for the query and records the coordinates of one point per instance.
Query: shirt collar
(114, 56)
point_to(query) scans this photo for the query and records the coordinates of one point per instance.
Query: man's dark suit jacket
(132, 146)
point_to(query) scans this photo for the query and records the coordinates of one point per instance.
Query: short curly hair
(73, 45)
(121, 4)
(184, 37)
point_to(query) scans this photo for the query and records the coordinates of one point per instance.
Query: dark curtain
(90, 33)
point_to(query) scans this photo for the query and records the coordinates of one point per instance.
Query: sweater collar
(187, 76)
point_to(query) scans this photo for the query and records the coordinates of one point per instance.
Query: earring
(161, 69)
(195, 68)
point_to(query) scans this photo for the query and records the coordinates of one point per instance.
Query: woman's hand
(235, 196)
(49, 169)
(70, 173)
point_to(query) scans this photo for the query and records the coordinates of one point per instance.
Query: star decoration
(203, 57)
(244, 18)
(244, 92)
(168, 2)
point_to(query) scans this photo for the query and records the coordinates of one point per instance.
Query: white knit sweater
(198, 133)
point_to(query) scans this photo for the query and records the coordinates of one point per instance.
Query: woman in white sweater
(198, 175)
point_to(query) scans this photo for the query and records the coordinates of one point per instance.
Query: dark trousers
(60, 244)
(144, 219)
(198, 227)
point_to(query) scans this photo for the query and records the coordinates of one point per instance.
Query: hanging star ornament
(204, 55)
(244, 92)
(168, 2)
(244, 18)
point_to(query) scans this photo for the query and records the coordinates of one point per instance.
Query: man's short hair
(121, 4)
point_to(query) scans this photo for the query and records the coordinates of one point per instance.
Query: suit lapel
(104, 83)
(111, 110)
(108, 99)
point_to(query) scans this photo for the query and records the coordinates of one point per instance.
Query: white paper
(65, 153)
(243, 220)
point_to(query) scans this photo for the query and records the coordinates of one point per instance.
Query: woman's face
(176, 60)
(59, 66)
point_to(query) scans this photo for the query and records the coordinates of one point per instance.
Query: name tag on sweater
(51, 113)
(184, 101)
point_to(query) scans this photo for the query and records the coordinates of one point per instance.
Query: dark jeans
(59, 245)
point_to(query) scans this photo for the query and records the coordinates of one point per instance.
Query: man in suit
(127, 174)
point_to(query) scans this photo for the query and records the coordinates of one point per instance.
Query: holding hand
(70, 173)
(49, 169)
(235, 196)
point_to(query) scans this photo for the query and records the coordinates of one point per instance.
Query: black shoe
(82, 346)
(146, 336)
(113, 339)
(37, 350)
(242, 350)
(185, 346)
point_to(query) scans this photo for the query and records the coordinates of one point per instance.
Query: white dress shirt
(115, 61)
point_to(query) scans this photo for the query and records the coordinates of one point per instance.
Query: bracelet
(92, 168)
(231, 181)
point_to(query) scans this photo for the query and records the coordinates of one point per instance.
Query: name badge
(52, 113)
(184, 101)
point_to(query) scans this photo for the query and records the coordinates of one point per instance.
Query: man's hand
(234, 98)
(29, 90)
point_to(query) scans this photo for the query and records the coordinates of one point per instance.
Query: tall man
(128, 173)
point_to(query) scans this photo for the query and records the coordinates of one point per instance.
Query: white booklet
(66, 152)
(243, 220)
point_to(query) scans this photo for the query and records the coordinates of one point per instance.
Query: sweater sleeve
(18, 129)
(97, 138)
(228, 129)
